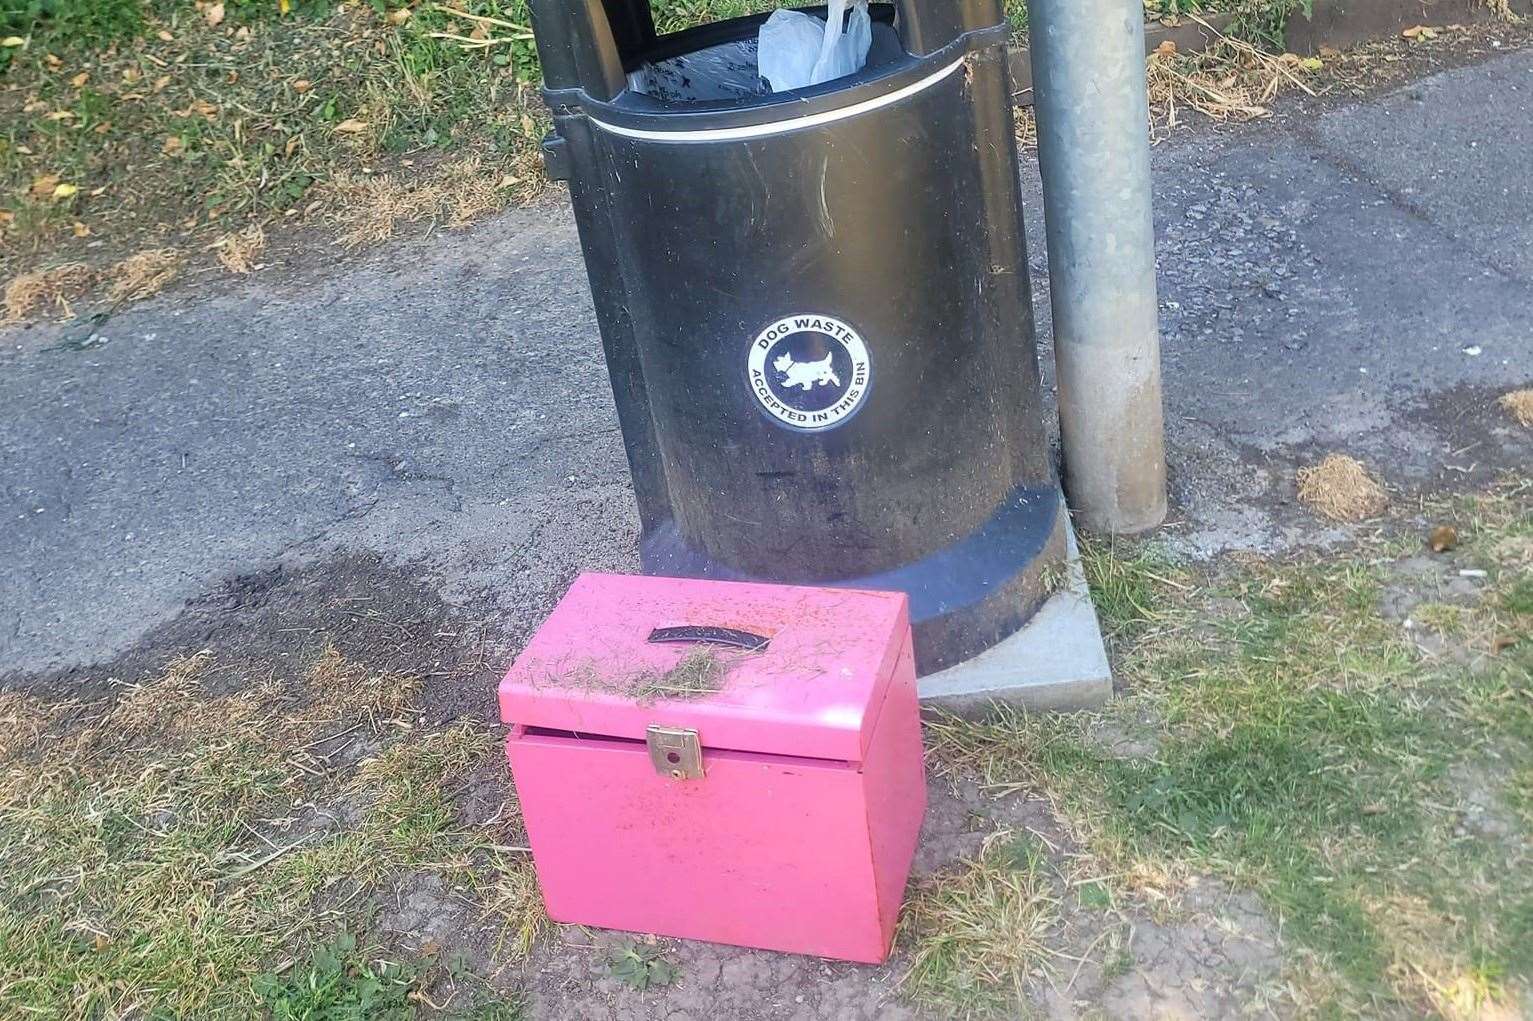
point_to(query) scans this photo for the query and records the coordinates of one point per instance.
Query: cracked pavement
(443, 402)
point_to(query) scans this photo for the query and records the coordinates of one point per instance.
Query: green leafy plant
(1265, 22)
(641, 966)
(338, 983)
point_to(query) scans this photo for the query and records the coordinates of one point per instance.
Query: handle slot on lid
(706, 635)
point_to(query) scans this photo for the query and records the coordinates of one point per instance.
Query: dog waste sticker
(810, 372)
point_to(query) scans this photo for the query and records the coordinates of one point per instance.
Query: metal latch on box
(675, 752)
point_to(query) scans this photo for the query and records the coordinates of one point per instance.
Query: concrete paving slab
(1057, 662)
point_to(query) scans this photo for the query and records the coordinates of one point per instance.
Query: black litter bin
(815, 307)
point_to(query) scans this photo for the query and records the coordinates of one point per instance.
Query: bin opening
(721, 72)
(719, 61)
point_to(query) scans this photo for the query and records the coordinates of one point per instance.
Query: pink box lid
(814, 690)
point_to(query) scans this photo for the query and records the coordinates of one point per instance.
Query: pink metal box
(777, 807)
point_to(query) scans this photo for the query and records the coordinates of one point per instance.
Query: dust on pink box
(736, 763)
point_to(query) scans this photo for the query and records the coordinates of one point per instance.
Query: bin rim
(637, 116)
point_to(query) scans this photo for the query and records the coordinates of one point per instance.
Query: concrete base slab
(1057, 662)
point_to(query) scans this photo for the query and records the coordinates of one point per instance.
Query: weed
(1265, 22)
(1094, 896)
(1445, 618)
(640, 966)
(497, 1010)
(337, 982)
(1016, 13)
(1518, 598)
(1054, 578)
(1117, 961)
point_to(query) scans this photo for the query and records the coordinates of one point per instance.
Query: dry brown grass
(238, 250)
(1230, 80)
(116, 740)
(56, 289)
(1423, 969)
(1519, 404)
(369, 209)
(1340, 488)
(142, 275)
(1026, 127)
(53, 289)
(700, 673)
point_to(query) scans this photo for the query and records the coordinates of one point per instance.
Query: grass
(338, 981)
(131, 127)
(153, 125)
(175, 852)
(977, 932)
(1309, 751)
(698, 674)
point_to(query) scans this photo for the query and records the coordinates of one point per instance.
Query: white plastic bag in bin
(798, 49)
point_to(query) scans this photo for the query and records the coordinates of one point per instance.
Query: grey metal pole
(1094, 151)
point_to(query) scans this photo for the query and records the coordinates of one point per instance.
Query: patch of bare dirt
(274, 622)
(1220, 959)
(1125, 739)
(1481, 810)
